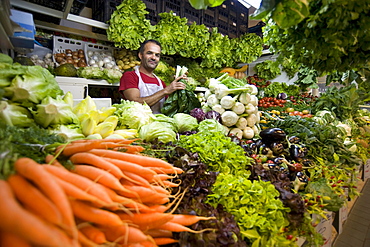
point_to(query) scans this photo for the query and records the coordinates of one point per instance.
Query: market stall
(246, 155)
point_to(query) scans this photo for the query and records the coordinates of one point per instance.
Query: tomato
(289, 109)
(296, 113)
(305, 112)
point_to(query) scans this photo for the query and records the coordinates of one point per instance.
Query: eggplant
(270, 135)
(307, 162)
(265, 150)
(277, 148)
(294, 139)
(282, 96)
(296, 152)
(280, 160)
(258, 142)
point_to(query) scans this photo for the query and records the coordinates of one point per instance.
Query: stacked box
(193, 15)
(171, 5)
(78, 6)
(102, 10)
(153, 7)
(57, 4)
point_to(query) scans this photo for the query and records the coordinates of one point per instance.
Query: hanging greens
(171, 31)
(246, 48)
(217, 53)
(128, 26)
(334, 36)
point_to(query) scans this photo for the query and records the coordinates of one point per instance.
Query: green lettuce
(31, 84)
(54, 111)
(15, 115)
(157, 131)
(133, 115)
(185, 122)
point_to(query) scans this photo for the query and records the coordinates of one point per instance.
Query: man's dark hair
(141, 50)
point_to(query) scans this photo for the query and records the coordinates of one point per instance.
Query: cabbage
(198, 113)
(327, 115)
(54, 111)
(133, 115)
(68, 132)
(185, 122)
(168, 121)
(213, 115)
(210, 125)
(33, 85)
(157, 130)
(15, 115)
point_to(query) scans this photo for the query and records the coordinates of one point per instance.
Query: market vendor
(142, 85)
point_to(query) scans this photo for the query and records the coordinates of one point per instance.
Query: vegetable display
(181, 101)
(109, 193)
(236, 102)
(340, 25)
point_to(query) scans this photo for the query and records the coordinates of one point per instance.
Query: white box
(24, 35)
(100, 102)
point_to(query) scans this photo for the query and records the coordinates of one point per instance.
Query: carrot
(187, 220)
(128, 203)
(73, 148)
(164, 241)
(81, 182)
(77, 193)
(136, 178)
(159, 233)
(159, 208)
(132, 149)
(51, 160)
(144, 194)
(147, 220)
(160, 189)
(175, 227)
(34, 199)
(134, 158)
(124, 234)
(170, 184)
(33, 171)
(84, 241)
(92, 214)
(132, 167)
(98, 175)
(122, 141)
(25, 225)
(93, 233)
(94, 160)
(10, 239)
(160, 170)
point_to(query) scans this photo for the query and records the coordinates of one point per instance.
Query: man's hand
(176, 85)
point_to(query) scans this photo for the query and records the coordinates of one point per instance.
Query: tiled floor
(356, 229)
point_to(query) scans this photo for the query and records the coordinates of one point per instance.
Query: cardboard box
(24, 32)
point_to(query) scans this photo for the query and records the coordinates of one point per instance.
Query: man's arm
(133, 94)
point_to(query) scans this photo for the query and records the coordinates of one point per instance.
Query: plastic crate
(153, 5)
(102, 10)
(223, 14)
(60, 44)
(91, 47)
(57, 4)
(78, 6)
(152, 16)
(209, 20)
(193, 15)
(171, 5)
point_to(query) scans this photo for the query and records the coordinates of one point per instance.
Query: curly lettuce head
(133, 115)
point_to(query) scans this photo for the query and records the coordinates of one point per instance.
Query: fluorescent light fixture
(248, 3)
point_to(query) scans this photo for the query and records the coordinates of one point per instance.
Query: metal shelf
(5, 42)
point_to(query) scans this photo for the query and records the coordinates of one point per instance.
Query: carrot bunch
(114, 195)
